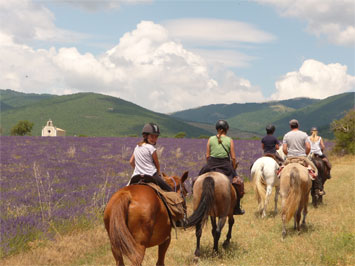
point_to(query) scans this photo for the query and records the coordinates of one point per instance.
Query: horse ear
(184, 176)
(164, 175)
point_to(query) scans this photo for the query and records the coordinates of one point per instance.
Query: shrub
(180, 135)
(344, 132)
(22, 128)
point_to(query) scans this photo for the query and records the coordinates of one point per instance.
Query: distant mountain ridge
(94, 114)
(255, 116)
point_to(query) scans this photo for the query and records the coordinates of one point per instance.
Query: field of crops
(50, 185)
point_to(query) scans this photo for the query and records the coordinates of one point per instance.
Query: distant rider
(317, 147)
(296, 145)
(270, 144)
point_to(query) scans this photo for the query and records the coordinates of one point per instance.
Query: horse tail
(260, 190)
(122, 241)
(294, 196)
(205, 204)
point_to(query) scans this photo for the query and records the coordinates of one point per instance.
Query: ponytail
(314, 136)
(145, 139)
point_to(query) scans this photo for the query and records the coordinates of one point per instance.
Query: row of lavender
(45, 181)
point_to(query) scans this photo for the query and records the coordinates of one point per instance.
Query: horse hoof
(225, 244)
(196, 259)
(283, 235)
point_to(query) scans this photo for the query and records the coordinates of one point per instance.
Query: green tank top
(216, 149)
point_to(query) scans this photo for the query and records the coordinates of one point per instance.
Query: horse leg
(283, 217)
(229, 234)
(277, 191)
(298, 219)
(162, 251)
(198, 237)
(214, 225)
(118, 257)
(267, 197)
(221, 222)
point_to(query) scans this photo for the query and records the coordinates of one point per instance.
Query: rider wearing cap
(221, 158)
(145, 160)
(296, 144)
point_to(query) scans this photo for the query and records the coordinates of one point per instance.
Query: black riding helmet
(270, 129)
(222, 124)
(151, 128)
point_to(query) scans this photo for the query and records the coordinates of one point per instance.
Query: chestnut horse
(295, 185)
(136, 218)
(214, 196)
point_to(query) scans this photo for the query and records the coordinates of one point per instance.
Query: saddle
(173, 202)
(302, 161)
(273, 156)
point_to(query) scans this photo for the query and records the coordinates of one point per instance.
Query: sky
(168, 56)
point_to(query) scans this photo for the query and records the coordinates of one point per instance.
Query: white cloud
(26, 21)
(332, 18)
(212, 31)
(146, 67)
(315, 80)
(93, 5)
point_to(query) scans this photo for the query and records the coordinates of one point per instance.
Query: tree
(22, 128)
(344, 132)
(180, 135)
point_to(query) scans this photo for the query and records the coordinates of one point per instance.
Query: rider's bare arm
(156, 161)
(208, 152)
(132, 161)
(308, 147)
(284, 148)
(234, 161)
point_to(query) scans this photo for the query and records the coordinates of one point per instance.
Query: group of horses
(136, 217)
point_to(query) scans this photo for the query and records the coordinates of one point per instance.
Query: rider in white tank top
(315, 146)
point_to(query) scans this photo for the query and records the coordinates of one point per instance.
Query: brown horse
(295, 184)
(136, 218)
(214, 196)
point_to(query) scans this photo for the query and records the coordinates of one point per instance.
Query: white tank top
(315, 146)
(144, 164)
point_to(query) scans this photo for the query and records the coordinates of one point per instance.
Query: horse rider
(145, 160)
(220, 156)
(296, 145)
(270, 144)
(317, 147)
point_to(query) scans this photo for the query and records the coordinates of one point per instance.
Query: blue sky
(174, 55)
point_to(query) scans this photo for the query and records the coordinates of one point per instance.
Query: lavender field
(49, 185)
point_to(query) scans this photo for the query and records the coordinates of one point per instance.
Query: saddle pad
(173, 201)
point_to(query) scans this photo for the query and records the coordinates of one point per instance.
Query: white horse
(264, 177)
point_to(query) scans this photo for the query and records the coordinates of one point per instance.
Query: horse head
(177, 183)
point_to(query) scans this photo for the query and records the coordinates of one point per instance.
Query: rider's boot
(237, 209)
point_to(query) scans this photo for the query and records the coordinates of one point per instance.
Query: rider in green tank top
(217, 150)
(221, 158)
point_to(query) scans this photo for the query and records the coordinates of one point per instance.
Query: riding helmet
(222, 124)
(270, 129)
(151, 128)
(314, 129)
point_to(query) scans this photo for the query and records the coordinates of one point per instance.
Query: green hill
(87, 114)
(253, 117)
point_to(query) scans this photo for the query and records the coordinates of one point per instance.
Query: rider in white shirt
(317, 147)
(296, 144)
